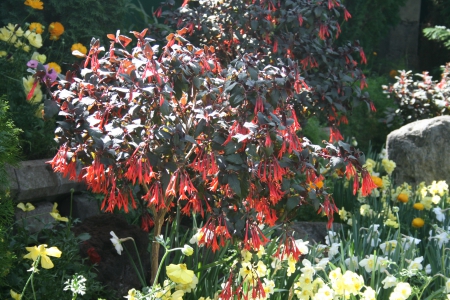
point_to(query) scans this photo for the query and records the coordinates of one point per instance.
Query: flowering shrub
(186, 130)
(416, 100)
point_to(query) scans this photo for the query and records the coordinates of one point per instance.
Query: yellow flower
(15, 295)
(402, 197)
(15, 29)
(54, 66)
(388, 165)
(39, 57)
(178, 295)
(55, 214)
(378, 181)
(35, 39)
(28, 83)
(80, 48)
(55, 29)
(36, 4)
(417, 223)
(179, 273)
(7, 35)
(26, 207)
(44, 253)
(418, 206)
(131, 295)
(36, 27)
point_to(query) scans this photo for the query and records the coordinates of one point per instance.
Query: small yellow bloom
(15, 295)
(36, 4)
(3, 53)
(418, 206)
(36, 27)
(80, 48)
(418, 223)
(56, 29)
(402, 197)
(26, 207)
(378, 181)
(179, 273)
(35, 39)
(39, 57)
(178, 295)
(54, 66)
(44, 253)
(55, 214)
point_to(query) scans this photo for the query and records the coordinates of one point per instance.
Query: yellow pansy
(54, 66)
(26, 207)
(80, 48)
(39, 57)
(35, 39)
(44, 253)
(179, 273)
(55, 214)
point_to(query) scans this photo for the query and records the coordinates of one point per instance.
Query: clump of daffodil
(43, 253)
(180, 274)
(55, 214)
(388, 165)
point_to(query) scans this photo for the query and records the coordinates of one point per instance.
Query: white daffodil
(116, 242)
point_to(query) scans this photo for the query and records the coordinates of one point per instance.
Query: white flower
(407, 241)
(403, 289)
(369, 294)
(352, 263)
(334, 249)
(307, 270)
(439, 215)
(389, 282)
(331, 238)
(187, 250)
(373, 262)
(428, 269)
(302, 246)
(442, 238)
(416, 264)
(116, 242)
(76, 285)
(388, 246)
(322, 264)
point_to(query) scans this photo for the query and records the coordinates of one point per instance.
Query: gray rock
(35, 220)
(84, 206)
(420, 151)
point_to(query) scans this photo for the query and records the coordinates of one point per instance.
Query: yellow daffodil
(28, 83)
(179, 273)
(378, 181)
(36, 4)
(55, 214)
(15, 295)
(54, 66)
(56, 29)
(417, 222)
(26, 207)
(44, 253)
(80, 48)
(178, 295)
(36, 27)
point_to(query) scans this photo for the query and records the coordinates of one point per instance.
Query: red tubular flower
(323, 32)
(347, 15)
(155, 196)
(171, 187)
(329, 208)
(350, 172)
(194, 204)
(289, 248)
(59, 161)
(363, 57)
(335, 135)
(147, 222)
(254, 238)
(367, 183)
(259, 106)
(213, 229)
(227, 292)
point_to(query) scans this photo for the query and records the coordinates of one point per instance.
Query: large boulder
(420, 151)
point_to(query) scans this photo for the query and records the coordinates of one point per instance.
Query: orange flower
(54, 66)
(80, 48)
(36, 27)
(418, 206)
(402, 197)
(36, 4)
(378, 181)
(393, 73)
(55, 29)
(417, 223)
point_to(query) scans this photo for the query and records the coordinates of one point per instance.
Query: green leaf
(235, 184)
